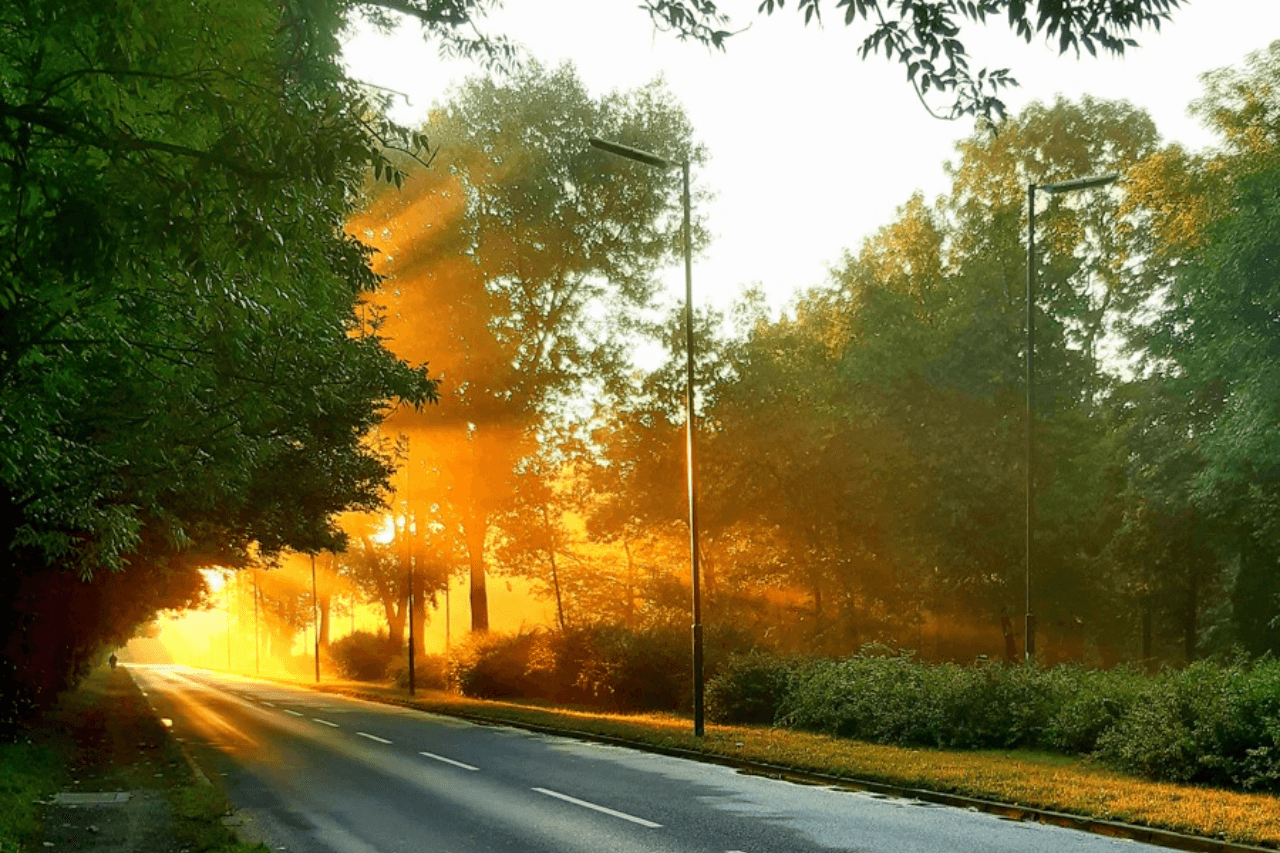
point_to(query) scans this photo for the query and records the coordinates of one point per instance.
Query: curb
(1097, 826)
(200, 777)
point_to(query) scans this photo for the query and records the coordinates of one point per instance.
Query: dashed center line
(594, 807)
(326, 723)
(373, 737)
(295, 713)
(268, 704)
(448, 761)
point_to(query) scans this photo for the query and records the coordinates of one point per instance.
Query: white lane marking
(448, 761)
(326, 723)
(373, 737)
(268, 704)
(586, 805)
(295, 713)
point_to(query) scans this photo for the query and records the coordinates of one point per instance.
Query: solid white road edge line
(586, 805)
(326, 723)
(448, 761)
(373, 737)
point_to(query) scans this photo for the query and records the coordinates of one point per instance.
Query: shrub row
(1209, 723)
(603, 666)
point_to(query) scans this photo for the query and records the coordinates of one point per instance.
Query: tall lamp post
(315, 616)
(1029, 628)
(257, 661)
(409, 529)
(690, 439)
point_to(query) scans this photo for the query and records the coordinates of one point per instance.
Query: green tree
(524, 249)
(1211, 347)
(926, 36)
(182, 373)
(1220, 332)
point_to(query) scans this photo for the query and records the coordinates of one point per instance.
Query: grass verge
(103, 736)
(28, 774)
(1036, 780)
(198, 811)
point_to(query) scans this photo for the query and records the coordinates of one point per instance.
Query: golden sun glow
(386, 532)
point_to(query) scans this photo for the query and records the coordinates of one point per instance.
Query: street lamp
(690, 440)
(1029, 636)
(315, 615)
(257, 661)
(410, 528)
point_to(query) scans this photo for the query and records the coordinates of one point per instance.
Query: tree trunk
(324, 601)
(555, 575)
(629, 611)
(1189, 625)
(419, 614)
(1147, 620)
(394, 611)
(475, 536)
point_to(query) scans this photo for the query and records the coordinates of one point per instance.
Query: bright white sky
(813, 149)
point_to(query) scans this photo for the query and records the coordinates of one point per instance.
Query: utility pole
(1029, 620)
(691, 442)
(227, 587)
(257, 660)
(315, 615)
(408, 540)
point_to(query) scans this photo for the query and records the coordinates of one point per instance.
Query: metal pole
(409, 549)
(315, 615)
(654, 160)
(692, 464)
(1029, 626)
(227, 587)
(408, 538)
(257, 658)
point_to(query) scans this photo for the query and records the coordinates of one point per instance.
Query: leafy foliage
(925, 36)
(603, 666)
(363, 656)
(1210, 723)
(525, 246)
(183, 376)
(749, 689)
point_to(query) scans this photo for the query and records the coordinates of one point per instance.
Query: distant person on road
(113, 660)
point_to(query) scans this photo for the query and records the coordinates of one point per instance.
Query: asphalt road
(318, 773)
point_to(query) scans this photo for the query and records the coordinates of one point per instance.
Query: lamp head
(1080, 183)
(633, 153)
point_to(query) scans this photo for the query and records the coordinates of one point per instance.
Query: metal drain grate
(110, 798)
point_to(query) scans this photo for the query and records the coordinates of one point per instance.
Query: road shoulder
(127, 786)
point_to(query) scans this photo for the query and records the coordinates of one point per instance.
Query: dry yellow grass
(1042, 781)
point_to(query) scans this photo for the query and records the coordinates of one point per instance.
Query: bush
(496, 666)
(430, 672)
(625, 670)
(1208, 724)
(749, 688)
(363, 655)
(989, 705)
(603, 666)
(1089, 704)
(866, 696)
(893, 700)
